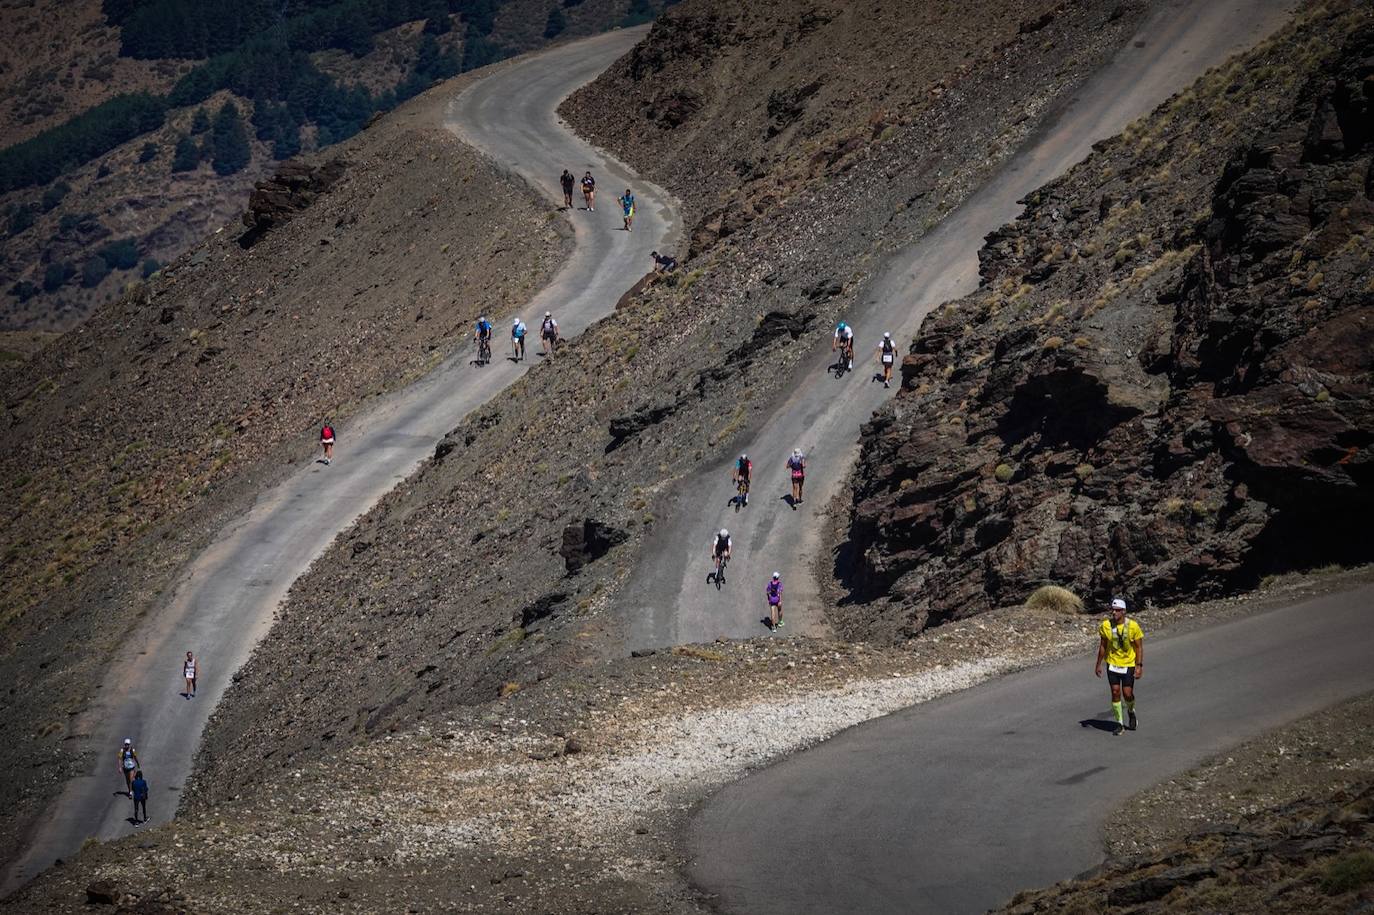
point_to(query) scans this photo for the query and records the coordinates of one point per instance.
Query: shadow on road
(1101, 724)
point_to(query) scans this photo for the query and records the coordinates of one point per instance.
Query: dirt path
(223, 603)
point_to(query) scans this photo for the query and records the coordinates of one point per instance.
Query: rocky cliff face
(1162, 386)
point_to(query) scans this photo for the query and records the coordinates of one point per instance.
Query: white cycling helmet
(515, 322)
(777, 575)
(886, 335)
(743, 456)
(548, 314)
(724, 532)
(127, 741)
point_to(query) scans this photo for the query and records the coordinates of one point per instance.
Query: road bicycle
(742, 492)
(483, 350)
(719, 575)
(846, 358)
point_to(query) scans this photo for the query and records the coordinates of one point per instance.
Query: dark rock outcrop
(587, 541)
(295, 186)
(1190, 412)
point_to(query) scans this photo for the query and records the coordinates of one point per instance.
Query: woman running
(589, 190)
(188, 670)
(327, 442)
(128, 763)
(773, 592)
(797, 465)
(887, 354)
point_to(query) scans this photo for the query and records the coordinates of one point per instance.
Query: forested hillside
(242, 84)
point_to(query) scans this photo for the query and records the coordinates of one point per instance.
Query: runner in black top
(589, 190)
(567, 180)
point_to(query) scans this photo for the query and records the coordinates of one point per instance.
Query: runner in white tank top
(189, 672)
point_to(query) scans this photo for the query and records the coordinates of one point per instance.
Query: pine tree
(556, 23)
(200, 122)
(187, 155)
(229, 141)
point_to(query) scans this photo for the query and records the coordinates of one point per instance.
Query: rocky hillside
(1162, 386)
(551, 488)
(129, 440)
(79, 239)
(736, 109)
(58, 58)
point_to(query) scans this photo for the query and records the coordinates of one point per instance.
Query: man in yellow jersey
(1122, 645)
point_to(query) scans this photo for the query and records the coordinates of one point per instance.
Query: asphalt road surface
(668, 600)
(224, 602)
(957, 804)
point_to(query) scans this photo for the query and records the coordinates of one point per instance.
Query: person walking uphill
(567, 180)
(327, 442)
(627, 204)
(773, 592)
(1121, 644)
(796, 464)
(188, 670)
(139, 788)
(589, 191)
(128, 763)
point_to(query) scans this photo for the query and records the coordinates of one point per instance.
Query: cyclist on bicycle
(483, 337)
(744, 472)
(844, 340)
(720, 550)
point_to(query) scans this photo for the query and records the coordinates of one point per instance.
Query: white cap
(515, 321)
(1118, 603)
(724, 532)
(777, 575)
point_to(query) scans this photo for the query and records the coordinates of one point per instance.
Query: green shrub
(53, 195)
(94, 271)
(1004, 473)
(1350, 871)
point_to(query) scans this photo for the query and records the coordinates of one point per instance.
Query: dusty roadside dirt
(130, 441)
(567, 795)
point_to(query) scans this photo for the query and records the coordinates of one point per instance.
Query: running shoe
(1131, 723)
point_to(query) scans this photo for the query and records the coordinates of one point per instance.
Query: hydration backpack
(327, 432)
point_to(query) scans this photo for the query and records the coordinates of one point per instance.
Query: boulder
(587, 541)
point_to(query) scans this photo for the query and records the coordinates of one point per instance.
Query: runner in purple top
(773, 592)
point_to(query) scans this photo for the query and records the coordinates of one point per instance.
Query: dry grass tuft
(1054, 599)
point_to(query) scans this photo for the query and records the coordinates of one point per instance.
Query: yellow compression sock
(1116, 710)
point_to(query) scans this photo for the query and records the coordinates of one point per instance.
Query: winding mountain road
(955, 805)
(667, 601)
(224, 602)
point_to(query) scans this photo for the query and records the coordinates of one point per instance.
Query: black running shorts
(1126, 679)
